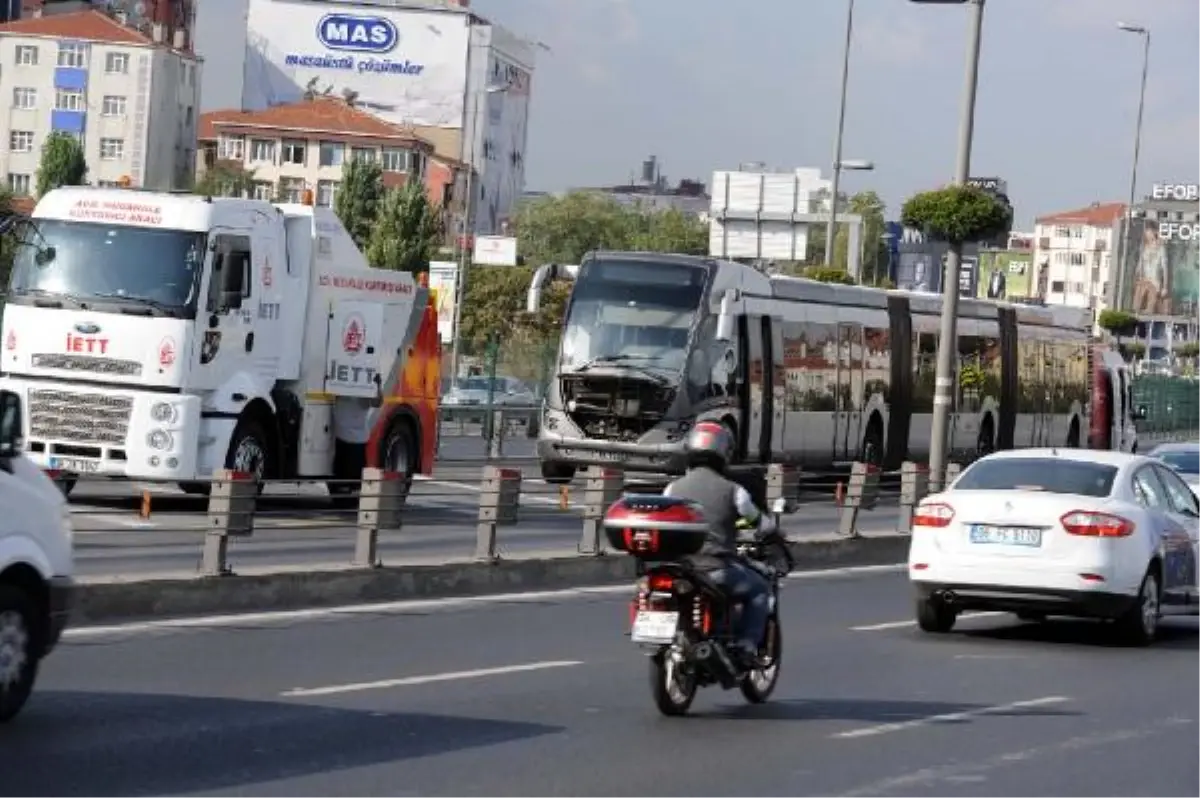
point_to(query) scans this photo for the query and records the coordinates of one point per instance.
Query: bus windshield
(630, 313)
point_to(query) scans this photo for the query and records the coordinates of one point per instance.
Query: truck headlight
(160, 439)
(164, 413)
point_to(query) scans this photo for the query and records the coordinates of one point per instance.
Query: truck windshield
(89, 263)
(632, 314)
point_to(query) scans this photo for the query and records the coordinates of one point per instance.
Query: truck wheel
(250, 451)
(18, 660)
(397, 453)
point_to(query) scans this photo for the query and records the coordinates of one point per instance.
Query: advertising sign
(495, 251)
(1162, 271)
(1004, 275)
(406, 65)
(443, 284)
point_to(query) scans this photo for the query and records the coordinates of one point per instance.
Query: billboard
(1162, 271)
(443, 285)
(1004, 275)
(408, 66)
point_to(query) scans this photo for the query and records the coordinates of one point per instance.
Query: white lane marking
(476, 489)
(409, 681)
(878, 627)
(974, 771)
(81, 517)
(411, 605)
(949, 717)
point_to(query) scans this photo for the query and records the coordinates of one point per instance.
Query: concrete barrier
(128, 600)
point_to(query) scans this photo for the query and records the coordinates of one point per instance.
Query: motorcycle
(684, 621)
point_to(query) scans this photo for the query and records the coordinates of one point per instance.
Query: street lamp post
(467, 224)
(1127, 221)
(947, 339)
(831, 227)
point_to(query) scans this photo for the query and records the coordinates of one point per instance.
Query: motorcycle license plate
(654, 627)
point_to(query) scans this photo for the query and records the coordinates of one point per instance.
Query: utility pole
(943, 397)
(831, 228)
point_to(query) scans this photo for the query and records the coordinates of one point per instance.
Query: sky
(708, 84)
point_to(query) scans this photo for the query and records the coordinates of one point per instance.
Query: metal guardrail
(492, 431)
(485, 510)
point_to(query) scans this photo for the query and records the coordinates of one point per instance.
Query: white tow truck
(160, 336)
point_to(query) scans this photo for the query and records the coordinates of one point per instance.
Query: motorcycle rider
(728, 507)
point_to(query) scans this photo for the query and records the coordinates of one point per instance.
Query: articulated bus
(802, 372)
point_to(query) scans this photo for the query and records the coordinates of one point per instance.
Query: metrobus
(802, 372)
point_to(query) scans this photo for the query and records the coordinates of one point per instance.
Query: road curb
(291, 590)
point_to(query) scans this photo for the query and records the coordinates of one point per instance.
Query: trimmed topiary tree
(957, 214)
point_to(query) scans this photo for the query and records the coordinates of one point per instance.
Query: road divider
(112, 600)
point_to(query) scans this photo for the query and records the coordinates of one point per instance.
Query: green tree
(957, 214)
(8, 244)
(1118, 323)
(358, 198)
(226, 179)
(669, 230)
(62, 164)
(406, 232)
(828, 274)
(1188, 349)
(564, 229)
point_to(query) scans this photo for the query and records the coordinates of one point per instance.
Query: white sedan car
(1045, 532)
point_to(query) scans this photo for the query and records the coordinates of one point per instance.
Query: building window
(1076, 232)
(394, 160)
(113, 105)
(262, 151)
(291, 189)
(112, 149)
(332, 153)
(264, 191)
(72, 54)
(1062, 232)
(24, 98)
(293, 153)
(1078, 258)
(69, 100)
(20, 141)
(326, 191)
(108, 183)
(364, 154)
(116, 63)
(19, 184)
(231, 148)
(27, 55)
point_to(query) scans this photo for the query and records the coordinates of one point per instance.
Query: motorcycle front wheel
(673, 688)
(760, 682)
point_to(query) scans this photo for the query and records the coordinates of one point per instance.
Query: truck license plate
(74, 465)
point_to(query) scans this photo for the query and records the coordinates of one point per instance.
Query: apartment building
(1072, 255)
(305, 145)
(129, 95)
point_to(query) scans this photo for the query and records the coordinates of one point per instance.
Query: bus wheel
(557, 473)
(872, 447)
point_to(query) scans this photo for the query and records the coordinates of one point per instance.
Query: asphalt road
(546, 697)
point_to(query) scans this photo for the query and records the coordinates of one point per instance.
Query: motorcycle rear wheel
(760, 683)
(673, 688)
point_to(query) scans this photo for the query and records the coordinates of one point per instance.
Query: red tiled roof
(88, 25)
(1095, 215)
(328, 115)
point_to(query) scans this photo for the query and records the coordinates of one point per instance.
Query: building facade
(131, 98)
(459, 81)
(1073, 255)
(301, 146)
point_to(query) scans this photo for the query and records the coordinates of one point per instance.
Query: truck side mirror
(725, 321)
(12, 426)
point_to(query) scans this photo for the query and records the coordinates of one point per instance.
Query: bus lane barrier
(231, 505)
(499, 505)
(914, 486)
(380, 506)
(783, 482)
(862, 493)
(603, 485)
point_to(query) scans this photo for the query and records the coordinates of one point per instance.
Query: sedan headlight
(164, 413)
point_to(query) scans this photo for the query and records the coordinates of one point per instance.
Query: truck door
(849, 397)
(269, 274)
(226, 340)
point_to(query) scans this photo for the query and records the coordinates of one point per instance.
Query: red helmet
(709, 443)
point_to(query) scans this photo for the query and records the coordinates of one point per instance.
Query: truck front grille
(87, 363)
(79, 418)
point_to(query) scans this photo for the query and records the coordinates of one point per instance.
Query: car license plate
(74, 465)
(654, 627)
(1006, 535)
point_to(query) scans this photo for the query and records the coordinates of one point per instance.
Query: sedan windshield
(88, 263)
(1181, 460)
(1048, 475)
